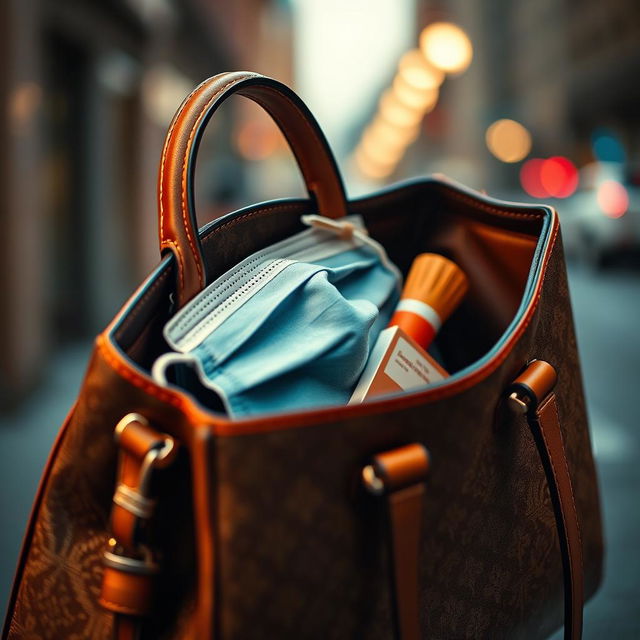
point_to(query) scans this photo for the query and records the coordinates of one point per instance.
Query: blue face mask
(290, 327)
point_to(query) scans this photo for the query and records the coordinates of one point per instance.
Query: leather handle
(177, 219)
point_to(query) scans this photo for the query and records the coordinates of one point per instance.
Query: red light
(613, 199)
(559, 177)
(530, 178)
(555, 177)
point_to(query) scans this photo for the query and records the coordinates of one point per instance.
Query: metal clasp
(137, 500)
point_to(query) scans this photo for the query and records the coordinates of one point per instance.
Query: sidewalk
(26, 436)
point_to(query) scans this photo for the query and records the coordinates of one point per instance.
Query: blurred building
(563, 68)
(87, 89)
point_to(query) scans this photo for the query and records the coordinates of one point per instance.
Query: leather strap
(130, 569)
(177, 219)
(399, 475)
(545, 427)
(533, 389)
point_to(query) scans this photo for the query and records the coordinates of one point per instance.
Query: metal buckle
(519, 402)
(143, 565)
(137, 500)
(372, 482)
(133, 501)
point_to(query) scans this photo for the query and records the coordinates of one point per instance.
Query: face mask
(290, 327)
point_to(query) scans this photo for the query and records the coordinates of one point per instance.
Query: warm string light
(447, 47)
(444, 48)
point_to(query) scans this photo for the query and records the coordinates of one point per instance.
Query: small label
(408, 368)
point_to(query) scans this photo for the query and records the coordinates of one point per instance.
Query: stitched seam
(210, 236)
(376, 199)
(489, 208)
(165, 241)
(553, 468)
(187, 153)
(249, 214)
(135, 379)
(165, 149)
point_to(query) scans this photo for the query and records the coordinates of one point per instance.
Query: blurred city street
(531, 102)
(607, 308)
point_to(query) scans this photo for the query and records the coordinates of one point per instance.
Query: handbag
(465, 510)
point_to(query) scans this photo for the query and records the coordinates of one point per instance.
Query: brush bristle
(436, 281)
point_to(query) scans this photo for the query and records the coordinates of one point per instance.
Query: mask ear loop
(347, 230)
(166, 360)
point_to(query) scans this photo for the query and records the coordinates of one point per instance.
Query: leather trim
(457, 383)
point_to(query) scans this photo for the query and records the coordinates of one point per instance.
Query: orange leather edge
(222, 426)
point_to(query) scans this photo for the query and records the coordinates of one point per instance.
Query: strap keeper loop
(529, 390)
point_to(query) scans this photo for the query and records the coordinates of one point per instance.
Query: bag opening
(494, 244)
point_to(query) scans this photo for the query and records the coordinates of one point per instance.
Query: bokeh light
(377, 148)
(613, 198)
(508, 140)
(256, 140)
(555, 177)
(370, 167)
(418, 73)
(389, 134)
(607, 147)
(396, 113)
(530, 178)
(424, 99)
(559, 177)
(446, 46)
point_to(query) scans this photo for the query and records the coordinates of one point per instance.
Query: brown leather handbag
(468, 510)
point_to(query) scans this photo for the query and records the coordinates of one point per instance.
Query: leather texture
(178, 225)
(263, 528)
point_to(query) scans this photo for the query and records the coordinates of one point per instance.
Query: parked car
(601, 220)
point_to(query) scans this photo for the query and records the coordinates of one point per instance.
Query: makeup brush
(433, 289)
(399, 360)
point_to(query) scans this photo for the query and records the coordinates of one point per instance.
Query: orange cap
(434, 288)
